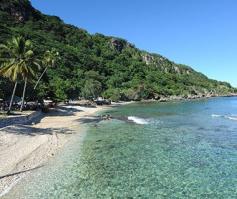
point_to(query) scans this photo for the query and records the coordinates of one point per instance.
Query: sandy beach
(24, 148)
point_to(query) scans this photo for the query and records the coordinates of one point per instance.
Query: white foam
(137, 120)
(214, 115)
(231, 118)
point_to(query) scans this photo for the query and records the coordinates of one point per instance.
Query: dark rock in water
(95, 125)
(106, 117)
(111, 146)
(96, 148)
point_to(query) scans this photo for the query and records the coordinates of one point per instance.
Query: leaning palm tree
(49, 60)
(17, 58)
(9, 71)
(28, 71)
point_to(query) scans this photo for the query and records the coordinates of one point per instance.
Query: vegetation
(18, 63)
(95, 65)
(49, 60)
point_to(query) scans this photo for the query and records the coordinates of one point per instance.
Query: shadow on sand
(57, 112)
(32, 131)
(63, 111)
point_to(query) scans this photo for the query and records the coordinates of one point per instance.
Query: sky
(198, 33)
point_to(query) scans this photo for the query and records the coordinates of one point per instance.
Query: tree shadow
(59, 111)
(63, 111)
(33, 131)
(82, 105)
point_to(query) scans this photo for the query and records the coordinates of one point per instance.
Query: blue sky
(198, 33)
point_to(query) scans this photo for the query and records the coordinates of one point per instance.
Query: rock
(156, 96)
(177, 70)
(117, 44)
(148, 58)
(129, 45)
(163, 99)
(188, 72)
(20, 10)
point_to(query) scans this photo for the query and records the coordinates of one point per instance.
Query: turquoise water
(175, 150)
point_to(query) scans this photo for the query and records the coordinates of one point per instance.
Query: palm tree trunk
(40, 78)
(23, 95)
(12, 98)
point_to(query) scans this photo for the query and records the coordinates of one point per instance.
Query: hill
(97, 64)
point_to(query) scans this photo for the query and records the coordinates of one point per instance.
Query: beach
(24, 148)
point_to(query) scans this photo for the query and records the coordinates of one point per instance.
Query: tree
(49, 60)
(29, 68)
(18, 59)
(10, 64)
(7, 70)
(92, 89)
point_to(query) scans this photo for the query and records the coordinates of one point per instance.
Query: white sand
(26, 147)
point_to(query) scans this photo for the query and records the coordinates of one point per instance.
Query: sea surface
(148, 150)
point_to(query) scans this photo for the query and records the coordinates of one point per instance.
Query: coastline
(24, 148)
(188, 98)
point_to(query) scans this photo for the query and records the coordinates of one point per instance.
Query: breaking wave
(231, 117)
(137, 120)
(214, 115)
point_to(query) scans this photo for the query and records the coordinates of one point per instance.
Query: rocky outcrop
(20, 10)
(188, 72)
(129, 45)
(148, 59)
(117, 44)
(177, 70)
(196, 95)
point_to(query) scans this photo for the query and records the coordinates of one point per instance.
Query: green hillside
(107, 66)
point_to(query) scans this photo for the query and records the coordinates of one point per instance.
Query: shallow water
(152, 150)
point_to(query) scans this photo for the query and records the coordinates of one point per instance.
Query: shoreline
(45, 140)
(24, 148)
(174, 98)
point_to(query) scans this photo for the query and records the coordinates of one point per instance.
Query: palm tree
(18, 61)
(28, 71)
(7, 70)
(49, 60)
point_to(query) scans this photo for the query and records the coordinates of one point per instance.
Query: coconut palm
(49, 60)
(18, 63)
(8, 71)
(28, 71)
